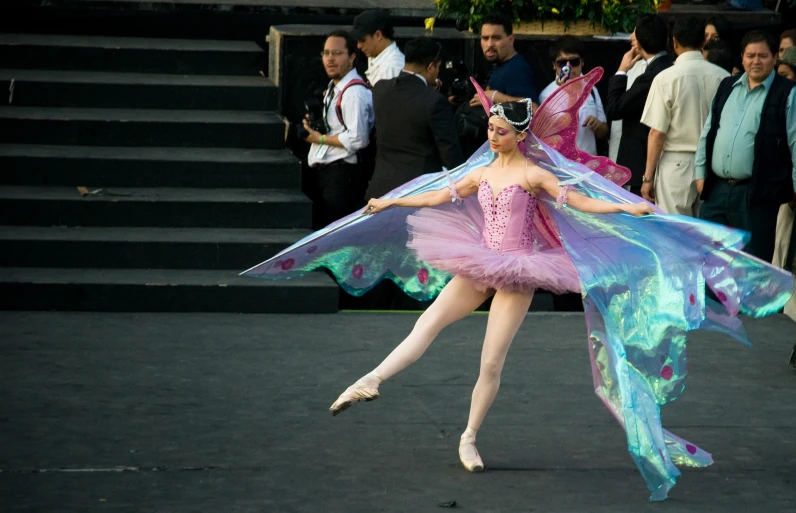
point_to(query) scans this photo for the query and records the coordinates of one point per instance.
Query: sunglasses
(575, 62)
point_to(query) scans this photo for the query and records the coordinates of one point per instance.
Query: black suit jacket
(414, 133)
(628, 105)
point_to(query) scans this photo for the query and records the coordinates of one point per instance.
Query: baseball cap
(368, 22)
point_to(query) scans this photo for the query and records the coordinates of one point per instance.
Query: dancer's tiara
(497, 109)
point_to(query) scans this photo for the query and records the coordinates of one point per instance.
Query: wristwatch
(644, 179)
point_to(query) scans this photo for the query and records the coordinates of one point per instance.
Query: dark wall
(146, 19)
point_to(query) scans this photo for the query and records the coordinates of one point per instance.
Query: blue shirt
(515, 78)
(734, 147)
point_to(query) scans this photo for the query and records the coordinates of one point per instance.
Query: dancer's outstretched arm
(464, 187)
(542, 180)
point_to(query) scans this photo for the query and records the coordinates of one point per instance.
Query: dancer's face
(502, 136)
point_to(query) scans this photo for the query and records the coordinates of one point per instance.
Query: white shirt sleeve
(657, 111)
(357, 109)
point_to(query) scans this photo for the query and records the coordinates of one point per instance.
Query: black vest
(772, 180)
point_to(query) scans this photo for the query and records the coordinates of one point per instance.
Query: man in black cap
(373, 33)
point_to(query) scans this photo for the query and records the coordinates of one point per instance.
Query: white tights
(456, 301)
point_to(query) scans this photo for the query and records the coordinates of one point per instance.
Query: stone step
(131, 54)
(141, 248)
(163, 207)
(162, 290)
(114, 166)
(142, 127)
(52, 88)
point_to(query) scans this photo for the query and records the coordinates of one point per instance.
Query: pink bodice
(508, 218)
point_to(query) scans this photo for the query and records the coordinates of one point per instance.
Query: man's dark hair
(350, 44)
(719, 53)
(387, 30)
(652, 33)
(566, 44)
(758, 36)
(498, 18)
(422, 51)
(723, 27)
(689, 32)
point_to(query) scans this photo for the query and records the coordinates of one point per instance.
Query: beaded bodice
(508, 217)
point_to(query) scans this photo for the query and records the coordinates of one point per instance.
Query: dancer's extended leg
(457, 300)
(505, 317)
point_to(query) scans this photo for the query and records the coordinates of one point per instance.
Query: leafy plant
(615, 15)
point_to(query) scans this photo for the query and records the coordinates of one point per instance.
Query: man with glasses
(336, 183)
(568, 51)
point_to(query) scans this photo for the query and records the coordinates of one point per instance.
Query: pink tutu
(450, 238)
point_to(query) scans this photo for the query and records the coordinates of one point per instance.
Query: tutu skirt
(449, 238)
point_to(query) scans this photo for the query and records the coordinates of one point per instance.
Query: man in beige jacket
(676, 110)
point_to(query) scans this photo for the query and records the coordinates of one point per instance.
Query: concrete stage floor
(228, 413)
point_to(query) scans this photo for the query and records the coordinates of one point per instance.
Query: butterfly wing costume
(643, 279)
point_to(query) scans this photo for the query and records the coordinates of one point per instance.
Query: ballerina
(504, 264)
(508, 221)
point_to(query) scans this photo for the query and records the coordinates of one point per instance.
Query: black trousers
(790, 259)
(336, 190)
(730, 204)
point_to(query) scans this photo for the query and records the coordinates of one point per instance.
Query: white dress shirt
(593, 106)
(357, 109)
(388, 64)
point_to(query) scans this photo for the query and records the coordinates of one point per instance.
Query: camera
(457, 76)
(313, 108)
(566, 73)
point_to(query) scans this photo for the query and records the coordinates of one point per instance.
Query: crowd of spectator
(706, 126)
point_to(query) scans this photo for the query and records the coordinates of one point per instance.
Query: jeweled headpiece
(497, 110)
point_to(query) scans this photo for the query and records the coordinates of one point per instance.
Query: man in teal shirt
(746, 164)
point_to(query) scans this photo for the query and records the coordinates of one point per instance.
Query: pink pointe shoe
(468, 454)
(365, 390)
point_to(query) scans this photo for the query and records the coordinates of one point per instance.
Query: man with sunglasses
(568, 51)
(336, 184)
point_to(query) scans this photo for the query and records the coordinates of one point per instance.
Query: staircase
(143, 175)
